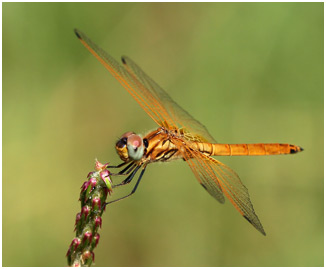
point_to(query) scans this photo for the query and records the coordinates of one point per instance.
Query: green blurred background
(251, 72)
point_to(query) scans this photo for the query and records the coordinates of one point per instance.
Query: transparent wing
(219, 179)
(151, 97)
(180, 117)
(206, 177)
(126, 79)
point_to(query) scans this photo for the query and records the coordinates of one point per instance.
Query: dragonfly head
(130, 147)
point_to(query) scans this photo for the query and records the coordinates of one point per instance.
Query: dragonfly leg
(117, 166)
(123, 171)
(129, 178)
(128, 181)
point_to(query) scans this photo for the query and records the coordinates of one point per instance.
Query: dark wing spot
(247, 219)
(77, 33)
(123, 60)
(203, 186)
(255, 225)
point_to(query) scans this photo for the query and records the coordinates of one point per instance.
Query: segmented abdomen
(246, 149)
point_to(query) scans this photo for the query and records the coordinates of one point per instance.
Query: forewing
(217, 178)
(151, 97)
(178, 116)
(151, 106)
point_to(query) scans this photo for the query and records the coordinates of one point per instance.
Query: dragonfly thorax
(130, 147)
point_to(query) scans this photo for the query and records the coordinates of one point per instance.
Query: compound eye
(135, 142)
(135, 147)
(127, 134)
(122, 142)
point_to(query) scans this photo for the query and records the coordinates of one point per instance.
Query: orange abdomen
(253, 149)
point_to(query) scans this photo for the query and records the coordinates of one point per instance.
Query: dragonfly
(179, 136)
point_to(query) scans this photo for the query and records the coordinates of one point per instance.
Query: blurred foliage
(251, 72)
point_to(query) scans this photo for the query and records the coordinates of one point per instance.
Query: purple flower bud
(96, 203)
(98, 221)
(91, 184)
(75, 242)
(90, 174)
(84, 186)
(87, 236)
(78, 217)
(93, 181)
(73, 246)
(97, 239)
(85, 211)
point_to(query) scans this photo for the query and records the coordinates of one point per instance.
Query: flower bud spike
(88, 221)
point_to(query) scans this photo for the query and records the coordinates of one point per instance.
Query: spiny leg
(123, 171)
(129, 179)
(118, 166)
